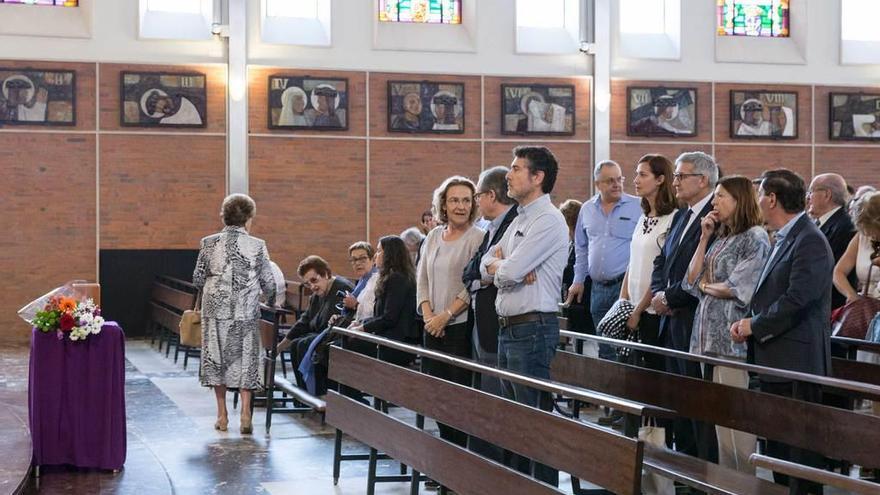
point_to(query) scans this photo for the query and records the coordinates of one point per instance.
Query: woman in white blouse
(653, 182)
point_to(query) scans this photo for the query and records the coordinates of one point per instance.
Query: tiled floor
(173, 448)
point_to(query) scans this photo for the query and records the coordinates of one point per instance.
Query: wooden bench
(292, 398)
(835, 433)
(850, 369)
(169, 298)
(589, 452)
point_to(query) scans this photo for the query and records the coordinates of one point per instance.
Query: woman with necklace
(441, 297)
(653, 182)
(723, 275)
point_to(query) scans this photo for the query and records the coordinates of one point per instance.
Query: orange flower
(67, 305)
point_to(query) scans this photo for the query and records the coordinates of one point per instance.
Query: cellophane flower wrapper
(29, 312)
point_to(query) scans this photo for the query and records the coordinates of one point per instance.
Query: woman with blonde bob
(441, 297)
(723, 275)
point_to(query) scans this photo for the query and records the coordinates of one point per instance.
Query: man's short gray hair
(703, 164)
(604, 163)
(495, 180)
(412, 236)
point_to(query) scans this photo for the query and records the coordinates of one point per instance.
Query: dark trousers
(457, 342)
(691, 437)
(808, 392)
(649, 328)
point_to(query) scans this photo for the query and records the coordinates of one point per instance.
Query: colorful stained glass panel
(420, 11)
(56, 3)
(760, 18)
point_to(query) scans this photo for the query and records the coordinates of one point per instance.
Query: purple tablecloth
(76, 393)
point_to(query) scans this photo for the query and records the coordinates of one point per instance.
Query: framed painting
(854, 117)
(763, 114)
(660, 111)
(426, 107)
(163, 99)
(303, 102)
(537, 109)
(37, 97)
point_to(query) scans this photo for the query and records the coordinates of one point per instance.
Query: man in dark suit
(499, 209)
(826, 205)
(791, 307)
(694, 180)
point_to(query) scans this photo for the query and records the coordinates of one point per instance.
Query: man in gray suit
(791, 308)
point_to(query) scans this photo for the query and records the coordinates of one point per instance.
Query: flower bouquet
(66, 312)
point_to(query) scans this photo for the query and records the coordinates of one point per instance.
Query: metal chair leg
(337, 456)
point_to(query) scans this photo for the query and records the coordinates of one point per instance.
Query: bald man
(826, 205)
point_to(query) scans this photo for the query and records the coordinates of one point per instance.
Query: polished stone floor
(173, 448)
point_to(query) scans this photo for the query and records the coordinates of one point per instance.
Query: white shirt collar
(697, 208)
(824, 218)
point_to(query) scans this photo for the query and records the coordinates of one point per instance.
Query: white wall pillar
(236, 98)
(602, 81)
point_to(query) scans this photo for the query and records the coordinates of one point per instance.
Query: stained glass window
(766, 18)
(427, 11)
(57, 3)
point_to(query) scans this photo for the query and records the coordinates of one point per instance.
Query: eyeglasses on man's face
(358, 259)
(479, 194)
(612, 180)
(679, 176)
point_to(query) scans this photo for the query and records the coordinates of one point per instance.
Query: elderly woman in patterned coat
(232, 270)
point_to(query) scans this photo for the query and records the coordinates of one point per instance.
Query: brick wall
(74, 190)
(317, 192)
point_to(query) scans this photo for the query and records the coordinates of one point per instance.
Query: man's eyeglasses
(812, 191)
(312, 281)
(612, 180)
(677, 176)
(460, 201)
(359, 259)
(477, 196)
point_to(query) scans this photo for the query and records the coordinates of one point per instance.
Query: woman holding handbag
(723, 275)
(863, 255)
(231, 272)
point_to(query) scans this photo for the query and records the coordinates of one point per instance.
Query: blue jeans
(527, 349)
(602, 297)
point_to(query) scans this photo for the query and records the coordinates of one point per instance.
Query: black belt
(611, 281)
(507, 321)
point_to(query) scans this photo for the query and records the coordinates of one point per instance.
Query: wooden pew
(589, 452)
(850, 369)
(292, 398)
(169, 298)
(836, 433)
(851, 485)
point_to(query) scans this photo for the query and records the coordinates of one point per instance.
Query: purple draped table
(76, 393)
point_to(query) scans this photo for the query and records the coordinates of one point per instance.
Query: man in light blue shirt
(602, 237)
(527, 265)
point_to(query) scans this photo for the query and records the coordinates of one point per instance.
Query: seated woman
(394, 314)
(326, 289)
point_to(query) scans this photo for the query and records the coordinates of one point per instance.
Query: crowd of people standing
(739, 268)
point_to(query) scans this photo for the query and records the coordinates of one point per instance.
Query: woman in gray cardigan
(441, 296)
